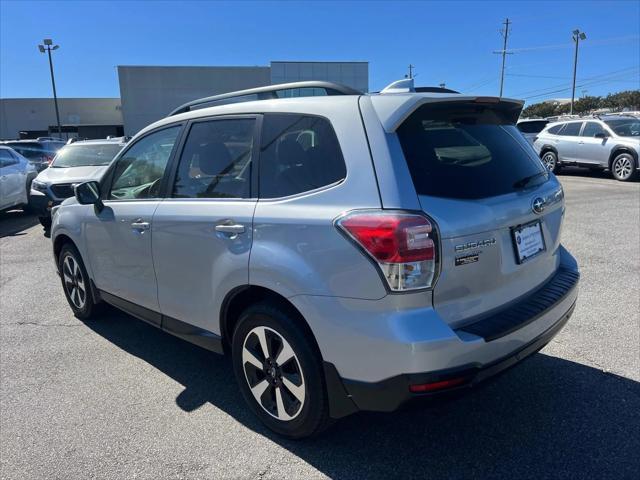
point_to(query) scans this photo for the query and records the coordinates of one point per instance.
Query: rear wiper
(523, 182)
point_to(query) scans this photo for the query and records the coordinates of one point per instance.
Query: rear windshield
(532, 126)
(467, 152)
(30, 150)
(84, 155)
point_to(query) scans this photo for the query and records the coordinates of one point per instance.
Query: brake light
(403, 245)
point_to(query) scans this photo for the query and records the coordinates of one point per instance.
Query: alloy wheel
(74, 282)
(623, 167)
(273, 373)
(549, 161)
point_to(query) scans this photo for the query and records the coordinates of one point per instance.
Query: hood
(72, 174)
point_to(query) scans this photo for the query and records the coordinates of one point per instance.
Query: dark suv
(40, 153)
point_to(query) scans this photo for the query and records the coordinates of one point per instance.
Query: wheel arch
(618, 149)
(548, 148)
(238, 299)
(59, 242)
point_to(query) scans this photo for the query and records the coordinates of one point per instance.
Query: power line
(593, 83)
(603, 41)
(628, 69)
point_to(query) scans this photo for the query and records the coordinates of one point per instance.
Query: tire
(623, 167)
(290, 398)
(550, 160)
(76, 283)
(26, 208)
(45, 222)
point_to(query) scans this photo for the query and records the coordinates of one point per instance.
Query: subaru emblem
(537, 205)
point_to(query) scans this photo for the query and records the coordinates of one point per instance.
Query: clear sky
(448, 42)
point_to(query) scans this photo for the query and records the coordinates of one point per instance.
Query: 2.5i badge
(466, 259)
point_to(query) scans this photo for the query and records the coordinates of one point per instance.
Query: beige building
(38, 116)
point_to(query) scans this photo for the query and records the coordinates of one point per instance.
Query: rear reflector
(402, 244)
(441, 385)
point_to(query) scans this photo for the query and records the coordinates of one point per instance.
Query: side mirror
(88, 193)
(602, 135)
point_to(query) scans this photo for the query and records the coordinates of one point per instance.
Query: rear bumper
(376, 349)
(392, 393)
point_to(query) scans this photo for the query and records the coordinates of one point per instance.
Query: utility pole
(411, 67)
(505, 33)
(577, 36)
(48, 47)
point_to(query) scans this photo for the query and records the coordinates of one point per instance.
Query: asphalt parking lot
(116, 398)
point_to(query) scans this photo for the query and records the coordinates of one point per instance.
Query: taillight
(403, 245)
(47, 159)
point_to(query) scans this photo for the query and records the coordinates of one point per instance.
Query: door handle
(139, 224)
(234, 229)
(580, 143)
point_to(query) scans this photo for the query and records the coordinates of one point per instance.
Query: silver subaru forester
(349, 251)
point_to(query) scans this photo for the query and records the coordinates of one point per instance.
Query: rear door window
(298, 153)
(466, 153)
(555, 130)
(571, 129)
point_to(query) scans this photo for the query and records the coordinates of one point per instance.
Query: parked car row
(24, 184)
(74, 163)
(39, 152)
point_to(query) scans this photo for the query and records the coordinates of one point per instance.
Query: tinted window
(139, 171)
(466, 154)
(298, 154)
(6, 158)
(591, 129)
(555, 130)
(216, 160)
(31, 150)
(628, 127)
(532, 127)
(83, 155)
(571, 129)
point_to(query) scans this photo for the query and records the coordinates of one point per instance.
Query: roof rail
(266, 93)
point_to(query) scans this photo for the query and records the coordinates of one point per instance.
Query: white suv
(609, 142)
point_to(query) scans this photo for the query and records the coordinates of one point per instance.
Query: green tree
(629, 99)
(587, 104)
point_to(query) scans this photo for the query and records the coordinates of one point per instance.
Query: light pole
(577, 36)
(48, 47)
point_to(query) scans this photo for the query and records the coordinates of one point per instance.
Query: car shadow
(546, 418)
(15, 222)
(587, 173)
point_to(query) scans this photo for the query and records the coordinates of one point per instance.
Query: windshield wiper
(523, 182)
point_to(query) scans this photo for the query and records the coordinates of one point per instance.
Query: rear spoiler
(393, 110)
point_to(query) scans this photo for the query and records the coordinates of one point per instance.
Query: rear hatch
(498, 210)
